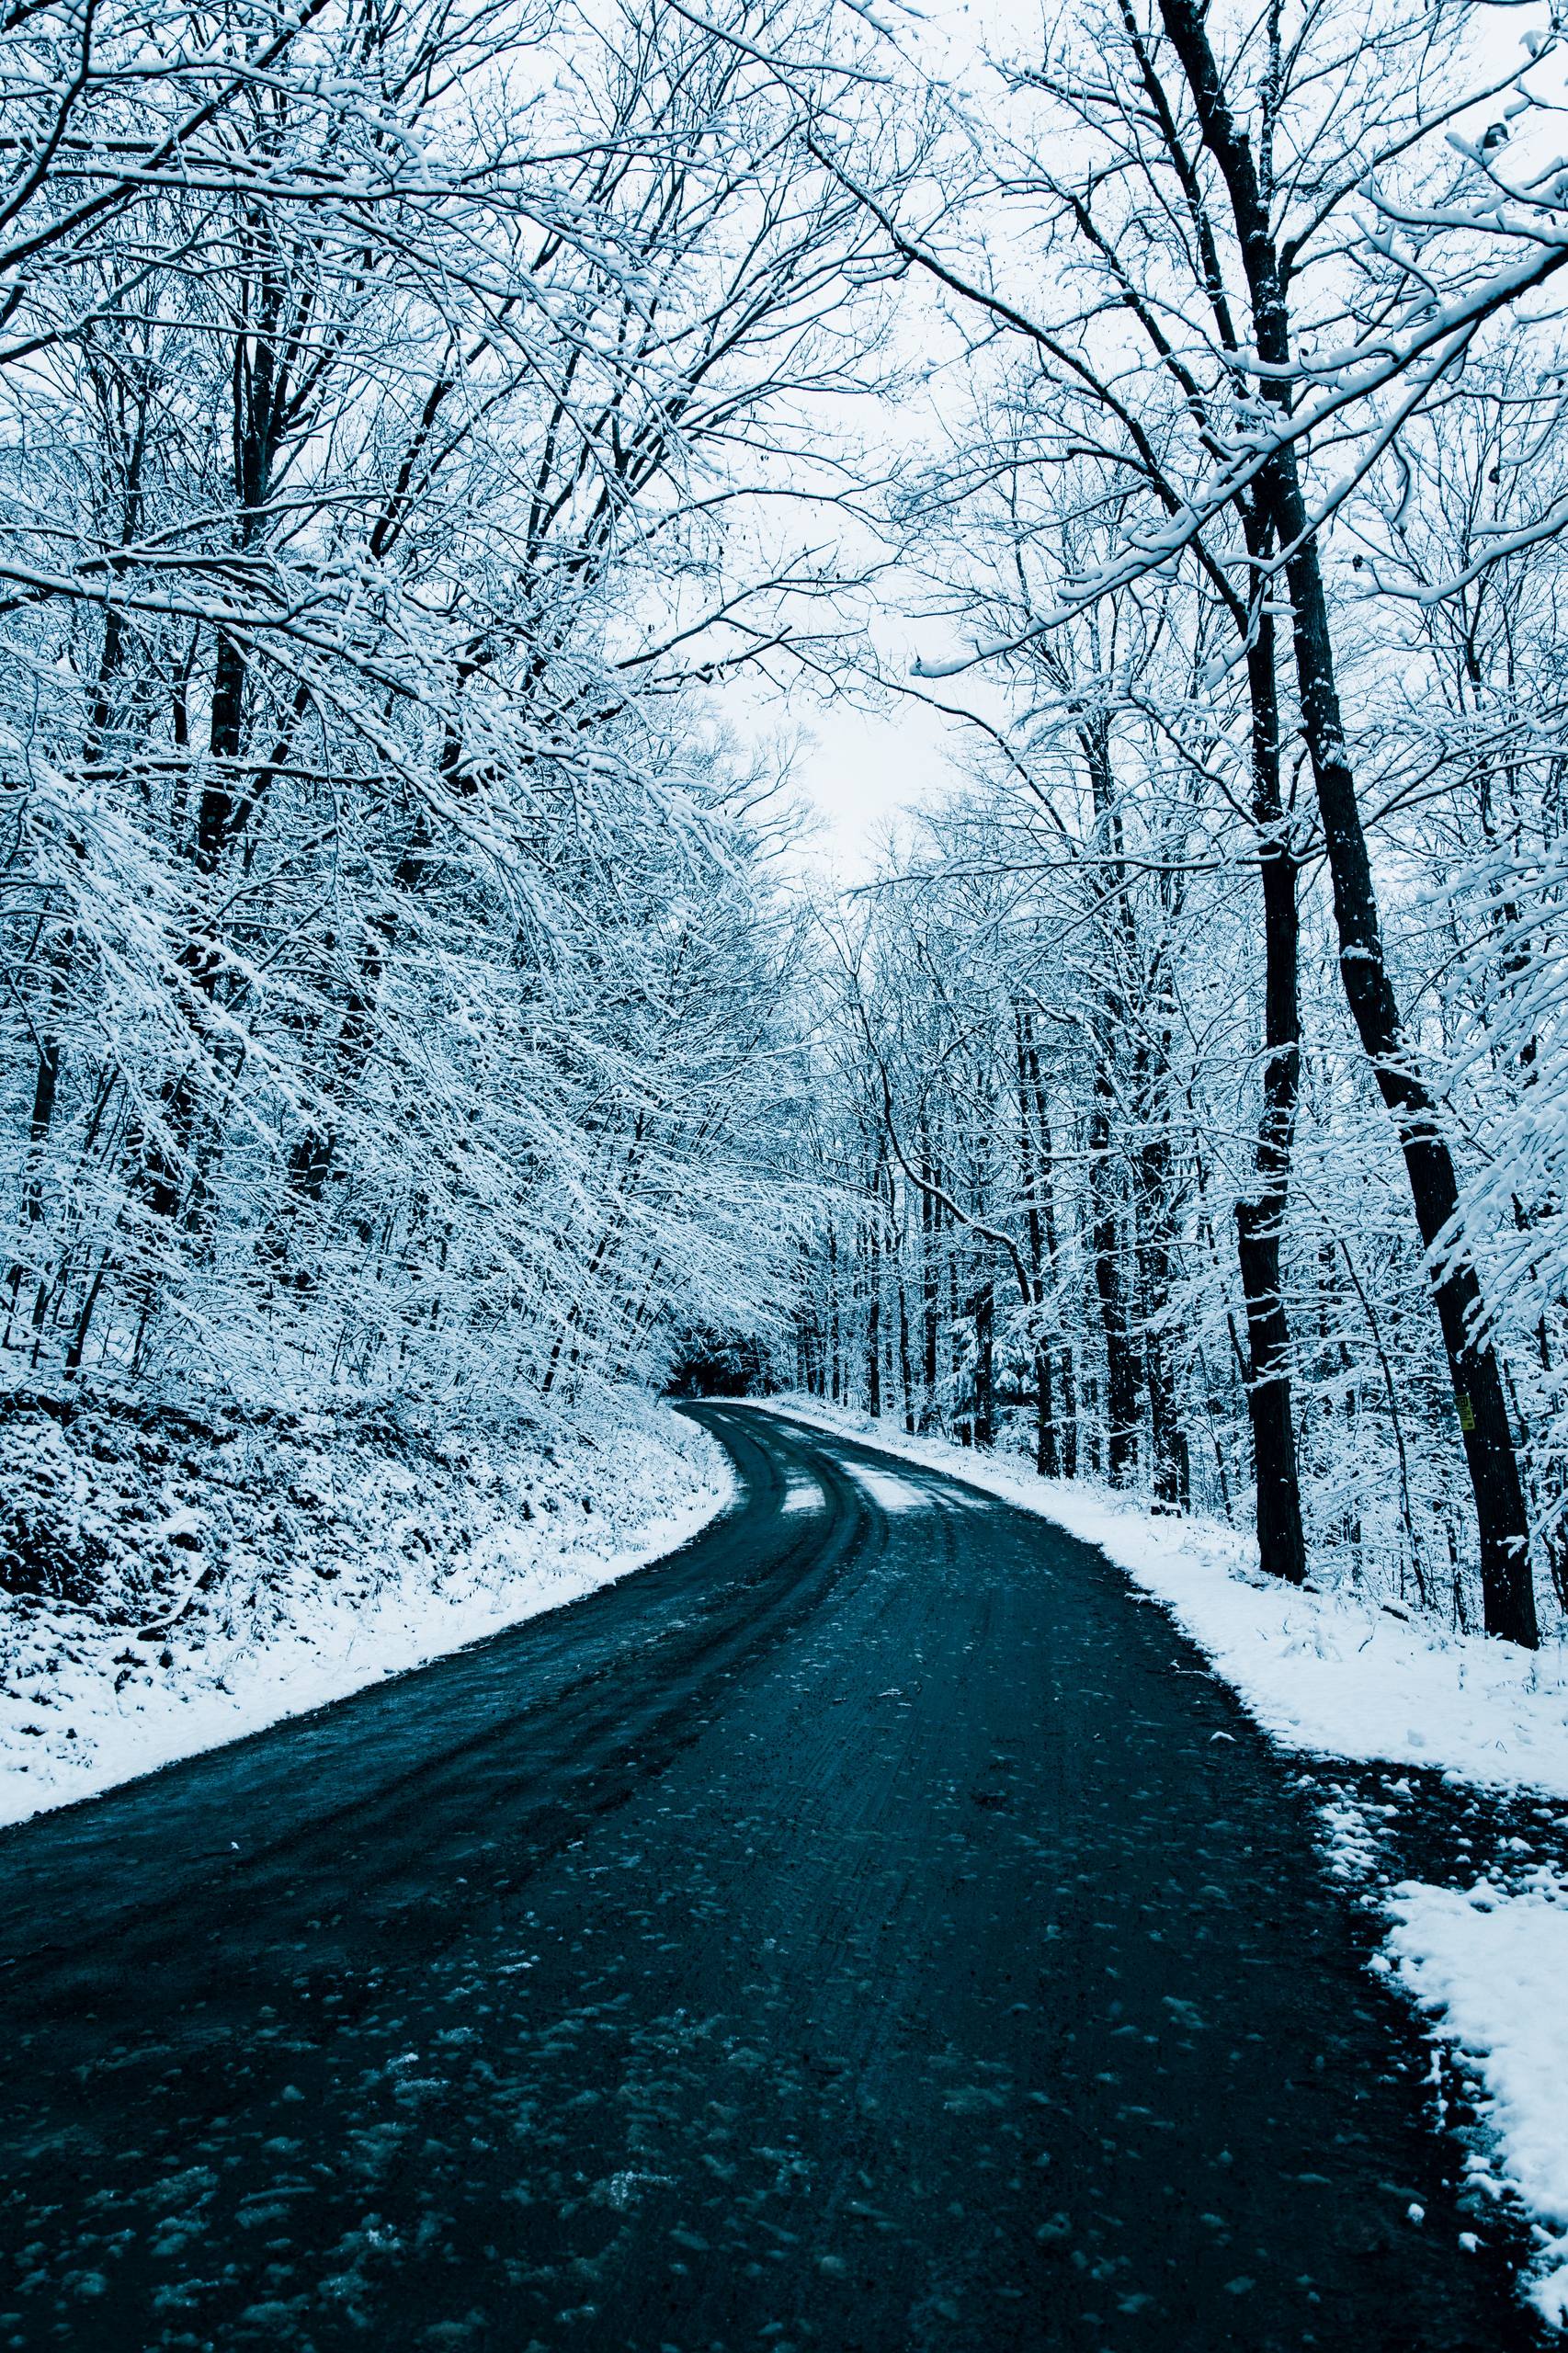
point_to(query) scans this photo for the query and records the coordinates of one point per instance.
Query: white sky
(863, 771)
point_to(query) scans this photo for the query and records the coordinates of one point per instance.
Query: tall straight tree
(1204, 196)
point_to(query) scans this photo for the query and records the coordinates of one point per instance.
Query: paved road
(869, 1929)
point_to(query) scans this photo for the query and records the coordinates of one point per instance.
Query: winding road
(869, 1930)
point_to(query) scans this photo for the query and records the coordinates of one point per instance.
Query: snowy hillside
(210, 1581)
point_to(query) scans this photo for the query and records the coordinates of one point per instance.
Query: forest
(450, 451)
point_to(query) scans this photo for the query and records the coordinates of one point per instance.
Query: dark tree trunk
(1034, 1168)
(874, 1308)
(965, 1420)
(1122, 1356)
(1089, 1398)
(1047, 1454)
(931, 1299)
(1069, 1417)
(832, 1352)
(1167, 1444)
(1507, 1591)
(985, 1365)
(906, 1368)
(46, 1089)
(1123, 1365)
(1281, 1541)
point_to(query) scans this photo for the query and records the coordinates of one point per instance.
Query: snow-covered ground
(1339, 1677)
(1492, 1965)
(337, 1564)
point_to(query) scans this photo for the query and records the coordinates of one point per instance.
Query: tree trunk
(963, 1420)
(1124, 1368)
(874, 1305)
(1034, 1166)
(930, 1298)
(1508, 1589)
(906, 1367)
(1281, 1539)
(1069, 1416)
(1280, 1542)
(1047, 1454)
(832, 1351)
(985, 1365)
(1167, 1444)
(1122, 1356)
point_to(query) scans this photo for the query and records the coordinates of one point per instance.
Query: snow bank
(1493, 1966)
(1340, 1678)
(337, 1564)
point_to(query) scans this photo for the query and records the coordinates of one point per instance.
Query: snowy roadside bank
(1489, 1965)
(1334, 1677)
(263, 1577)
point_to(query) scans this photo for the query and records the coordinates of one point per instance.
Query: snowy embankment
(1492, 1965)
(210, 1581)
(1337, 1676)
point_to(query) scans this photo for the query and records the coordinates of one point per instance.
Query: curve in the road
(868, 1928)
